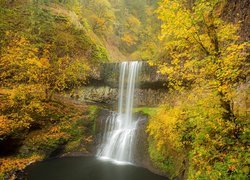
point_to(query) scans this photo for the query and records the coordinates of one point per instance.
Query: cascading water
(120, 127)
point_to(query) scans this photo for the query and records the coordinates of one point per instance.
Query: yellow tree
(20, 72)
(132, 26)
(201, 48)
(20, 64)
(202, 53)
(102, 16)
(31, 80)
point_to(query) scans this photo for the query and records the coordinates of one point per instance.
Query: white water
(119, 131)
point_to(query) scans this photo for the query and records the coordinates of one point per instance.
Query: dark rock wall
(238, 10)
(109, 95)
(109, 76)
(150, 90)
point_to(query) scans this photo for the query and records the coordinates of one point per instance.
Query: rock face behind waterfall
(108, 95)
(103, 88)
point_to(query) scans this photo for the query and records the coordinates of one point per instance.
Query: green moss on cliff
(146, 110)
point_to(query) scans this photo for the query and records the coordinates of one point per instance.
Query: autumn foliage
(198, 134)
(48, 48)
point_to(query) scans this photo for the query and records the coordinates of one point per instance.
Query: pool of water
(86, 168)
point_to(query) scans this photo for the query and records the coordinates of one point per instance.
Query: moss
(82, 131)
(75, 145)
(77, 133)
(150, 111)
(93, 113)
(43, 141)
(164, 163)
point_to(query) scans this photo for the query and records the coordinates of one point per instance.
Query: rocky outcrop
(109, 95)
(150, 91)
(148, 76)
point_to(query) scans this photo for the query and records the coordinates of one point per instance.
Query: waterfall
(120, 127)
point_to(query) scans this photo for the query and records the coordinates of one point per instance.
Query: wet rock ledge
(103, 88)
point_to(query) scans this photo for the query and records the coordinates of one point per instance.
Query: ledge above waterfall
(108, 75)
(103, 87)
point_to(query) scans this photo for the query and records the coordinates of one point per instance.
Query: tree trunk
(226, 104)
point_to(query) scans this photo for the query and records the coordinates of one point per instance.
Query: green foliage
(216, 147)
(150, 111)
(163, 162)
(93, 113)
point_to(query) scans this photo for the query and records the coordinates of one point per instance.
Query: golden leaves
(201, 48)
(9, 164)
(22, 63)
(5, 126)
(129, 39)
(19, 60)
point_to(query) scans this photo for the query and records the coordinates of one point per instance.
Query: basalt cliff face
(103, 88)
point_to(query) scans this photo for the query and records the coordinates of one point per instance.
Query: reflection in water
(87, 168)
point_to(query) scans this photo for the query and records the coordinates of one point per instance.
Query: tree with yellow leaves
(201, 48)
(20, 64)
(205, 62)
(132, 26)
(102, 16)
